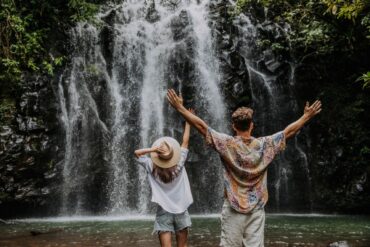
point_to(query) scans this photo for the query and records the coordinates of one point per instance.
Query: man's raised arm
(309, 112)
(196, 122)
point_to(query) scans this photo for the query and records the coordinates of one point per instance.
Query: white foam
(137, 217)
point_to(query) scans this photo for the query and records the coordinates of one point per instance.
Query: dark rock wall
(29, 151)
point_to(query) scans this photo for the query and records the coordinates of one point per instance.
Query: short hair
(242, 118)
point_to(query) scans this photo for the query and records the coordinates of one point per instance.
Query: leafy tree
(25, 29)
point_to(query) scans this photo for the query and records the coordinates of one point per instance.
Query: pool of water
(281, 230)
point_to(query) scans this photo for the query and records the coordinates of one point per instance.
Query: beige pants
(241, 230)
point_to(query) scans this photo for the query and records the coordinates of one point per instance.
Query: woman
(170, 187)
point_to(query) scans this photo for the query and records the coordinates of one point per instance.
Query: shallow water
(281, 230)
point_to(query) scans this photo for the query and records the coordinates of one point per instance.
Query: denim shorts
(168, 222)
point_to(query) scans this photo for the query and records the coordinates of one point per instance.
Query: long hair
(166, 175)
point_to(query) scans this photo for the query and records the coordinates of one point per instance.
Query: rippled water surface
(281, 230)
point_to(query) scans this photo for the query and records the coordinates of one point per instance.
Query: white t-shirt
(174, 197)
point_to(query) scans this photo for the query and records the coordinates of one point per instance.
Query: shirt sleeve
(272, 145)
(184, 155)
(218, 141)
(145, 162)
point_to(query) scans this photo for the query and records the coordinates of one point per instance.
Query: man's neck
(244, 134)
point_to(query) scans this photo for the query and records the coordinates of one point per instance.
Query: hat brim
(176, 153)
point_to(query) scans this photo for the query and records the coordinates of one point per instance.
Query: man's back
(245, 162)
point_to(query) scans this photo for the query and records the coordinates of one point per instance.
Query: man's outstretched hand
(312, 110)
(309, 112)
(175, 100)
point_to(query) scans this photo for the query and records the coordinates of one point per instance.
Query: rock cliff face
(67, 147)
(30, 151)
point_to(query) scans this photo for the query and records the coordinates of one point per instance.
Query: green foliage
(25, 29)
(276, 47)
(365, 22)
(366, 80)
(82, 10)
(355, 10)
(314, 36)
(7, 109)
(92, 69)
(20, 45)
(4, 196)
(326, 25)
(365, 150)
(349, 10)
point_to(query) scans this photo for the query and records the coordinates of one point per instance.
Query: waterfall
(112, 101)
(80, 118)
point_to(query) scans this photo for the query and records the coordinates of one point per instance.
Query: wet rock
(107, 37)
(110, 17)
(180, 26)
(35, 124)
(271, 62)
(44, 145)
(194, 157)
(359, 187)
(29, 161)
(33, 193)
(5, 131)
(339, 152)
(152, 14)
(50, 174)
(45, 191)
(339, 244)
(225, 42)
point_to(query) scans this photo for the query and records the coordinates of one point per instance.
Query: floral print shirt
(245, 162)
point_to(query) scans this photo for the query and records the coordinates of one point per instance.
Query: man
(245, 160)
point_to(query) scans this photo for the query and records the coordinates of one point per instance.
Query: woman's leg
(182, 224)
(165, 239)
(182, 238)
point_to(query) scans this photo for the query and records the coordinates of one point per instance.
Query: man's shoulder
(220, 135)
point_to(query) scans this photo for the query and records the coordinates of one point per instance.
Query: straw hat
(170, 158)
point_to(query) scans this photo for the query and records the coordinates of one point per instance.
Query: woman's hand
(161, 149)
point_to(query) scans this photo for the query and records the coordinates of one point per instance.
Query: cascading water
(112, 100)
(81, 119)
